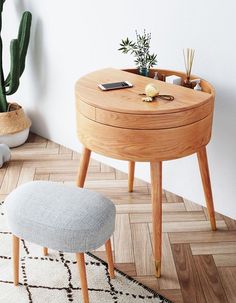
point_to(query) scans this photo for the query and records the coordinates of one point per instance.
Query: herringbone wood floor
(198, 265)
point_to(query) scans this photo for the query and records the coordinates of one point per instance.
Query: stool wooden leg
(131, 176)
(205, 175)
(110, 259)
(45, 251)
(15, 258)
(83, 278)
(156, 180)
(83, 167)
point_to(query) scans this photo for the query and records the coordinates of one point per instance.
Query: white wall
(71, 38)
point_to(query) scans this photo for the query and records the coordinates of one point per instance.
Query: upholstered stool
(63, 218)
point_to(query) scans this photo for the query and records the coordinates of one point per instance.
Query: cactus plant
(18, 51)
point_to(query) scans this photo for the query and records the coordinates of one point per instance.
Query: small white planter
(17, 139)
(14, 126)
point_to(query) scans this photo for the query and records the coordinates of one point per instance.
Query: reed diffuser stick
(188, 61)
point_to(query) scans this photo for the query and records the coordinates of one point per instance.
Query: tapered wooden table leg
(131, 176)
(83, 277)
(15, 257)
(156, 180)
(83, 167)
(205, 175)
(110, 259)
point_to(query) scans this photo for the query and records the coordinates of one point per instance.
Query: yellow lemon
(151, 90)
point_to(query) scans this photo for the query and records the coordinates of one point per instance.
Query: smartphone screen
(115, 85)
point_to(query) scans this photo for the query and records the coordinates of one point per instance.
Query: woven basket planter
(14, 126)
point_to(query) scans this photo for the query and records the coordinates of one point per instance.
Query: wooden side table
(120, 125)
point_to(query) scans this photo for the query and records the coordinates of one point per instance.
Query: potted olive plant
(14, 125)
(141, 51)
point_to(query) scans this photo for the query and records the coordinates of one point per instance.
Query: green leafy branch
(140, 49)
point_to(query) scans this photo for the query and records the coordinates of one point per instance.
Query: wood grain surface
(188, 277)
(147, 121)
(209, 279)
(128, 100)
(144, 145)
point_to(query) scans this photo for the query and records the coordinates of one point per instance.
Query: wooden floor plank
(230, 223)
(203, 237)
(128, 268)
(143, 255)
(51, 144)
(188, 278)
(180, 216)
(213, 248)
(111, 183)
(107, 169)
(120, 195)
(169, 278)
(170, 197)
(191, 226)
(133, 208)
(40, 139)
(11, 177)
(26, 175)
(21, 153)
(191, 206)
(32, 146)
(147, 208)
(31, 138)
(209, 279)
(228, 278)
(47, 165)
(175, 295)
(75, 155)
(3, 170)
(225, 260)
(164, 199)
(123, 240)
(64, 150)
(149, 281)
(217, 215)
(18, 156)
(121, 175)
(58, 177)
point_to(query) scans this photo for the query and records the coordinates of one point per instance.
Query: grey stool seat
(60, 217)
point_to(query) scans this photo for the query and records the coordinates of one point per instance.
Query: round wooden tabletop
(129, 101)
(119, 124)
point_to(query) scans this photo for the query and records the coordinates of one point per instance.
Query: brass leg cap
(158, 268)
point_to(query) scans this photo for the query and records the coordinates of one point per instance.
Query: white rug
(54, 279)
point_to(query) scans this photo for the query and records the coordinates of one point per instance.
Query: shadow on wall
(37, 56)
(36, 66)
(38, 62)
(224, 115)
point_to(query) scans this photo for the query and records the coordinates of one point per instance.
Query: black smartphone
(115, 85)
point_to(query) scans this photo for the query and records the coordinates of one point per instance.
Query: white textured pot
(14, 126)
(16, 139)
